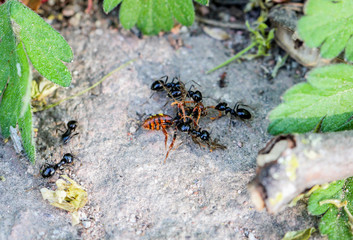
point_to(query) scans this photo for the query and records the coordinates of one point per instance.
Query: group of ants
(189, 110)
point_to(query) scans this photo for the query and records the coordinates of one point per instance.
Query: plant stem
(239, 54)
(85, 90)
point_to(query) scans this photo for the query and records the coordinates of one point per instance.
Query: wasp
(159, 122)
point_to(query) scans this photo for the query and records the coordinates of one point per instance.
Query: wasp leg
(171, 145)
(166, 136)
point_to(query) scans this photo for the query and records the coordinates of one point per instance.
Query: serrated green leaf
(329, 92)
(109, 5)
(335, 225)
(25, 126)
(203, 2)
(17, 94)
(183, 11)
(129, 13)
(299, 235)
(335, 202)
(7, 45)
(328, 24)
(145, 21)
(45, 47)
(153, 16)
(163, 19)
(329, 192)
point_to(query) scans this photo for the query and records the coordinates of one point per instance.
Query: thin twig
(221, 24)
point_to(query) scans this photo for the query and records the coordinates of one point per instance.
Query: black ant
(205, 137)
(236, 111)
(50, 170)
(68, 134)
(173, 88)
(199, 109)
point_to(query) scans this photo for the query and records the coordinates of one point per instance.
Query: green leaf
(109, 5)
(328, 192)
(25, 126)
(335, 224)
(329, 92)
(23, 33)
(203, 2)
(17, 95)
(153, 16)
(328, 24)
(335, 202)
(45, 47)
(299, 235)
(7, 46)
(129, 13)
(183, 11)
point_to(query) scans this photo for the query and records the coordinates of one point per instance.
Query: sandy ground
(197, 194)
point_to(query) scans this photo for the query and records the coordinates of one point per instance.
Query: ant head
(221, 106)
(184, 126)
(68, 158)
(195, 133)
(205, 136)
(49, 171)
(197, 96)
(72, 125)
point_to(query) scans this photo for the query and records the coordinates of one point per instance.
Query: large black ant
(172, 88)
(68, 134)
(236, 111)
(50, 169)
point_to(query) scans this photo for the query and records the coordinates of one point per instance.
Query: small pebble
(99, 32)
(86, 224)
(252, 236)
(68, 11)
(132, 129)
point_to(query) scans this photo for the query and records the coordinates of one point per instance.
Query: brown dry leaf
(176, 42)
(176, 29)
(216, 33)
(33, 4)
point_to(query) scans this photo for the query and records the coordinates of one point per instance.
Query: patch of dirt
(197, 194)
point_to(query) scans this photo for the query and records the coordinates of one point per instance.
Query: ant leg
(74, 135)
(58, 129)
(166, 136)
(69, 138)
(219, 113)
(171, 145)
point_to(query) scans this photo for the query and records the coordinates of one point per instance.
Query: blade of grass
(238, 55)
(87, 89)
